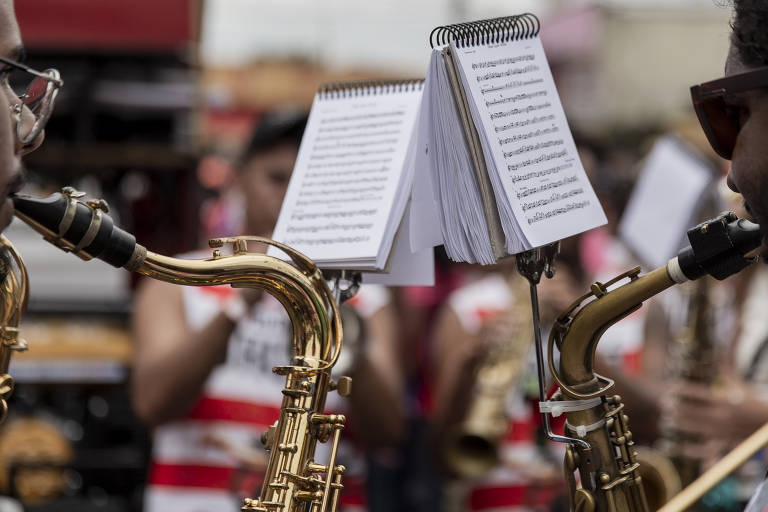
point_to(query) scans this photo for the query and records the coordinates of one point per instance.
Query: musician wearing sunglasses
(733, 110)
(28, 97)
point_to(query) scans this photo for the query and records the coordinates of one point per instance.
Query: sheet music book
(504, 174)
(349, 190)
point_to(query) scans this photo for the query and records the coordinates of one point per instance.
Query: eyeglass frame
(52, 76)
(720, 88)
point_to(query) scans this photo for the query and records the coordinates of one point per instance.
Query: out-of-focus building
(619, 67)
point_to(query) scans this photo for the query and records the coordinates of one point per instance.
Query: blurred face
(749, 164)
(11, 150)
(263, 182)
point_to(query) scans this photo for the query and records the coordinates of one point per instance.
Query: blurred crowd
(444, 412)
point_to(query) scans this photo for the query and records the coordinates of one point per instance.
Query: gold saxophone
(600, 445)
(471, 448)
(13, 302)
(293, 480)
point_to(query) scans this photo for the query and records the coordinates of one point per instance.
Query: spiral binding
(335, 90)
(491, 31)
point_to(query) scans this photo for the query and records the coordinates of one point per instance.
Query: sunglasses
(718, 119)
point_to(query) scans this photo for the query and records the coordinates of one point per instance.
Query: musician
(741, 135)
(202, 369)
(734, 117)
(20, 132)
(489, 309)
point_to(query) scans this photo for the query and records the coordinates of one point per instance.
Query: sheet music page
(347, 175)
(664, 202)
(517, 111)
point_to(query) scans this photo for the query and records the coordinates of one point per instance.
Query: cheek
(749, 167)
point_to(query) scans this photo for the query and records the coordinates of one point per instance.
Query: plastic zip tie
(581, 430)
(558, 407)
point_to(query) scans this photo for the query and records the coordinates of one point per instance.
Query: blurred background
(160, 95)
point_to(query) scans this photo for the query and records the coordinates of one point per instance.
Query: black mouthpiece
(718, 247)
(81, 234)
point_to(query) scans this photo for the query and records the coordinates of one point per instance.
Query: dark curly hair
(750, 31)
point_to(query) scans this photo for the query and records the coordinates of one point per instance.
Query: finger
(692, 391)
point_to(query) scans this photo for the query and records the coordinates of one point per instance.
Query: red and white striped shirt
(527, 478)
(212, 458)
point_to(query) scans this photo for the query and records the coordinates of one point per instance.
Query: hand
(496, 331)
(713, 418)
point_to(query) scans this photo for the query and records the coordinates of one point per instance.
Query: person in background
(202, 366)
(485, 321)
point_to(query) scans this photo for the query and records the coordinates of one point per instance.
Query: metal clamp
(532, 265)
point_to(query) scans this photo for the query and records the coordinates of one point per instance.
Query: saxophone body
(602, 449)
(13, 301)
(293, 481)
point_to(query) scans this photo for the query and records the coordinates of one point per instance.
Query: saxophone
(693, 359)
(600, 446)
(471, 448)
(13, 301)
(293, 480)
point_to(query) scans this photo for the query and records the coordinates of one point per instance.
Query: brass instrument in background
(693, 359)
(471, 449)
(294, 480)
(600, 445)
(13, 302)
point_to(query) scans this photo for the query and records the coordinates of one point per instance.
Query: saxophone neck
(85, 229)
(718, 247)
(577, 332)
(302, 291)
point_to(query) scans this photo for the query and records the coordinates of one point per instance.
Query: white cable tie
(558, 407)
(581, 430)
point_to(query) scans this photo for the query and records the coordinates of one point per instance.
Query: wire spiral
(491, 31)
(335, 90)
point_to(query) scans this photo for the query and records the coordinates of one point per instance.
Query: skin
(11, 150)
(163, 390)
(749, 165)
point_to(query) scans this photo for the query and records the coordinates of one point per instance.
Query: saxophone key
(288, 447)
(308, 495)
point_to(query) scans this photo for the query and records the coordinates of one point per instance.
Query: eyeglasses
(719, 120)
(38, 95)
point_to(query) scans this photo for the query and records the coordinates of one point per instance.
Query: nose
(731, 184)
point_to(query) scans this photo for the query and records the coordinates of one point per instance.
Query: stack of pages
(504, 174)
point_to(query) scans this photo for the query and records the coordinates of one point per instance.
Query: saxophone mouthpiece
(720, 247)
(81, 227)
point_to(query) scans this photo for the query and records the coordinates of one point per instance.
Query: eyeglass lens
(38, 98)
(719, 124)
(35, 95)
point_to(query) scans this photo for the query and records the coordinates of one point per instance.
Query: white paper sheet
(425, 231)
(347, 179)
(407, 268)
(664, 202)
